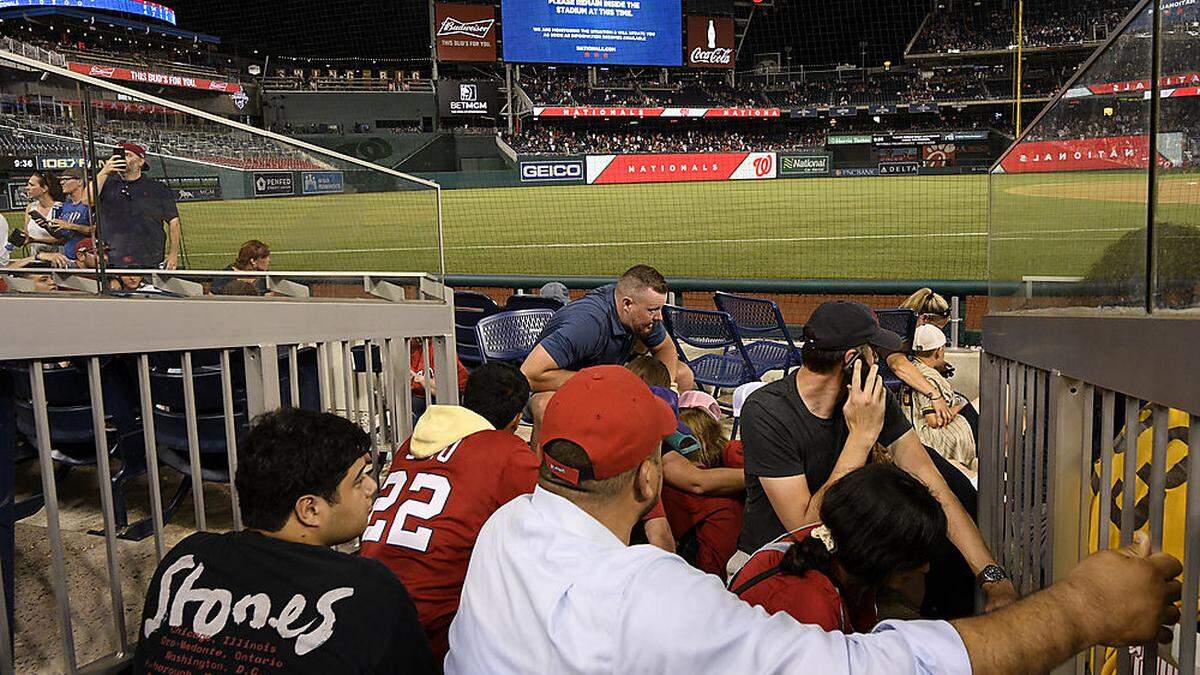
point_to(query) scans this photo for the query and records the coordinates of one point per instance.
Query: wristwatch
(992, 574)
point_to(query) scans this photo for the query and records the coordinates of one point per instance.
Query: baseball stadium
(789, 337)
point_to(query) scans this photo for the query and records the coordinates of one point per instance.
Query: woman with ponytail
(933, 309)
(876, 522)
(253, 256)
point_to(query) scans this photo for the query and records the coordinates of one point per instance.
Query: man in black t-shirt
(133, 210)
(803, 432)
(275, 598)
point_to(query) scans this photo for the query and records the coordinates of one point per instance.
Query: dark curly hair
(290, 453)
(882, 520)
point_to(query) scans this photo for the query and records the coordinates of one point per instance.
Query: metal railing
(347, 356)
(1077, 429)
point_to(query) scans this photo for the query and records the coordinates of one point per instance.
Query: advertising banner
(929, 107)
(710, 42)
(899, 168)
(803, 165)
(899, 154)
(607, 169)
(322, 183)
(589, 111)
(939, 156)
(465, 32)
(147, 77)
(17, 199)
(849, 139)
(806, 112)
(881, 109)
(843, 111)
(1083, 154)
(194, 188)
(274, 184)
(593, 32)
(48, 163)
(856, 171)
(552, 171)
(465, 99)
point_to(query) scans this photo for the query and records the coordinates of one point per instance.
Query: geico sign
(539, 172)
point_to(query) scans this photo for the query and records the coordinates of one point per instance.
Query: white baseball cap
(928, 338)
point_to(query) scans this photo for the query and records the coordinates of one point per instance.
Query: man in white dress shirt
(554, 587)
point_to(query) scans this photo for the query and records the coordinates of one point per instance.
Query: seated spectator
(253, 256)
(554, 586)
(557, 291)
(416, 363)
(45, 199)
(239, 287)
(276, 594)
(931, 308)
(824, 420)
(956, 440)
(467, 461)
(876, 521)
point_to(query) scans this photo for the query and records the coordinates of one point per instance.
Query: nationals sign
(607, 169)
(465, 32)
(589, 111)
(147, 77)
(1083, 154)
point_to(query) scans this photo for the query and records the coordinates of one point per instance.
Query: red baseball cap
(610, 413)
(134, 148)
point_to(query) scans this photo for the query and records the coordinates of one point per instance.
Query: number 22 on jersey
(418, 537)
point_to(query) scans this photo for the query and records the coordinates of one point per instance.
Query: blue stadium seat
(759, 317)
(903, 322)
(510, 336)
(469, 308)
(516, 302)
(707, 329)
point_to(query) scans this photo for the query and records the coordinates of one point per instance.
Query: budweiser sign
(710, 42)
(475, 29)
(148, 77)
(465, 32)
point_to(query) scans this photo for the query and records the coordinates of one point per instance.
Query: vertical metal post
(1015, 420)
(446, 363)
(1191, 558)
(429, 373)
(1107, 420)
(955, 320)
(1067, 453)
(262, 379)
(1158, 492)
(509, 84)
(433, 58)
(372, 424)
(294, 376)
(230, 437)
(1152, 170)
(349, 380)
(401, 360)
(104, 482)
(58, 565)
(193, 436)
(1129, 492)
(151, 442)
(323, 380)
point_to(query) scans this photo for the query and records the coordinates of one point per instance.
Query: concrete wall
(345, 109)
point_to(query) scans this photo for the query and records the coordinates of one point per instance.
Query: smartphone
(119, 155)
(38, 218)
(866, 370)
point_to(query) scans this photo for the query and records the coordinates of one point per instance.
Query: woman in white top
(45, 199)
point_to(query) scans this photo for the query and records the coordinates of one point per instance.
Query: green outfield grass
(888, 228)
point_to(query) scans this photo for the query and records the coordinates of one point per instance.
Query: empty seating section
(510, 336)
(758, 317)
(708, 330)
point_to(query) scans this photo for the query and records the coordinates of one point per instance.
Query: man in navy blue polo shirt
(602, 328)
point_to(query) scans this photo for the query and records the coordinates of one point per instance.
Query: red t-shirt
(416, 361)
(429, 512)
(812, 598)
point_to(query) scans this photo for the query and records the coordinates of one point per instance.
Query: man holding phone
(806, 430)
(133, 211)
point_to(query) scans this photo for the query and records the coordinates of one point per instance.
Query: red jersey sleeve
(656, 512)
(519, 474)
(734, 456)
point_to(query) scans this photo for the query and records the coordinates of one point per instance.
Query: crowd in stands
(544, 139)
(481, 552)
(332, 79)
(566, 87)
(963, 27)
(217, 145)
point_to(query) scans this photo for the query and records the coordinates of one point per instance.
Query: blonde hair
(927, 303)
(710, 434)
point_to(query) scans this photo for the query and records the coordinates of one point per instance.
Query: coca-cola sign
(710, 42)
(465, 32)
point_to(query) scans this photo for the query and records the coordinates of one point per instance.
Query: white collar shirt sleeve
(550, 590)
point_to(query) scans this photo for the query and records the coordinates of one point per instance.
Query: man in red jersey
(461, 464)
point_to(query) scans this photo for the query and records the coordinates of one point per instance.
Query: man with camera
(133, 211)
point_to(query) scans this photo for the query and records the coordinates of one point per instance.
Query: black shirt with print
(783, 438)
(242, 602)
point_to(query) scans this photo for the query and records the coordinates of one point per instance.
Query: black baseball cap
(845, 324)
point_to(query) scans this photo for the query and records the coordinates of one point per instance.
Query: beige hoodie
(442, 426)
